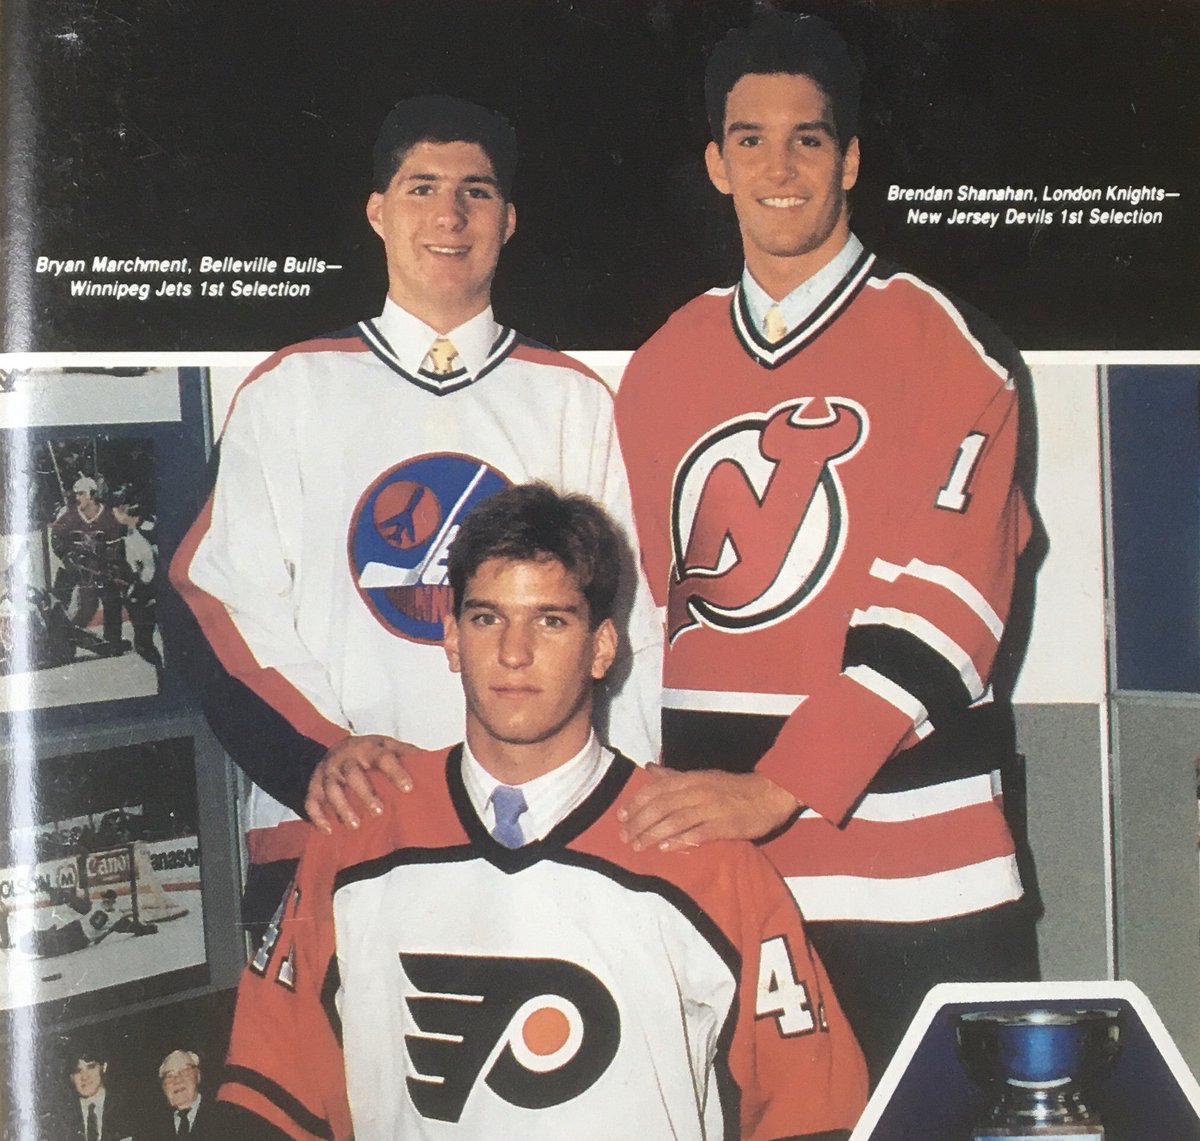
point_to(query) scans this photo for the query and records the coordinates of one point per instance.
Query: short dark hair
(87, 1054)
(531, 523)
(786, 43)
(444, 119)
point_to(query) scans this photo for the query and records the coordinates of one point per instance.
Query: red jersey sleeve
(793, 1054)
(925, 622)
(286, 998)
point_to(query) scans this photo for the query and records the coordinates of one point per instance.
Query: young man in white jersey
(488, 959)
(317, 568)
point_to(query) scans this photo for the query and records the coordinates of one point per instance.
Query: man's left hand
(682, 809)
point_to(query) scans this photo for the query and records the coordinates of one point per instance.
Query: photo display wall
(184, 193)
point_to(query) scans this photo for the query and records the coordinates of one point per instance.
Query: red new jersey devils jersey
(422, 981)
(832, 525)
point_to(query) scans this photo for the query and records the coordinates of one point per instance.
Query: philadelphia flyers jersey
(421, 981)
(832, 525)
(317, 569)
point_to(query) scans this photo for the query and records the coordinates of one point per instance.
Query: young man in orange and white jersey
(490, 960)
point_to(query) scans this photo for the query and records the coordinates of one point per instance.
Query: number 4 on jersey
(780, 993)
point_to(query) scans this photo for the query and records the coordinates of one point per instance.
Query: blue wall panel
(1154, 415)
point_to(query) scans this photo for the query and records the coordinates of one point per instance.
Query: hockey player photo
(100, 875)
(96, 922)
(824, 464)
(140, 572)
(346, 466)
(489, 960)
(75, 616)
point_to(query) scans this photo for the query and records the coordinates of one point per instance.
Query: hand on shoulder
(344, 777)
(674, 810)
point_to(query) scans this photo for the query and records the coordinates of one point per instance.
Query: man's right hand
(345, 770)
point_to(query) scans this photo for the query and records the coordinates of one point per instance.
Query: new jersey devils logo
(540, 1031)
(401, 533)
(758, 516)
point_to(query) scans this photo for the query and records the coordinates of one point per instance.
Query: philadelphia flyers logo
(758, 515)
(401, 533)
(536, 1032)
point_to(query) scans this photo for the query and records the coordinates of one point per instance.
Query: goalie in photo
(95, 923)
(78, 570)
(105, 880)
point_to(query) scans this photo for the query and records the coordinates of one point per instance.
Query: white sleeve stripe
(954, 582)
(927, 632)
(935, 800)
(714, 701)
(894, 695)
(913, 899)
(952, 312)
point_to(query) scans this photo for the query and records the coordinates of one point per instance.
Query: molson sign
(28, 885)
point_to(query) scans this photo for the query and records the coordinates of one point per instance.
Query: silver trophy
(1041, 1068)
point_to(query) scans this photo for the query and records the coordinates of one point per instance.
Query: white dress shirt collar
(549, 798)
(97, 1099)
(410, 338)
(191, 1113)
(798, 305)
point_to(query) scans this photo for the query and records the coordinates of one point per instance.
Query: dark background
(243, 129)
(1140, 1100)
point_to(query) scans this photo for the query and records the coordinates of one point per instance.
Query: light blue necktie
(508, 803)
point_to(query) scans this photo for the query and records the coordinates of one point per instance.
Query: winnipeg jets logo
(758, 515)
(401, 533)
(536, 1032)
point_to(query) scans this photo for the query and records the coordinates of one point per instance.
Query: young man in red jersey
(822, 460)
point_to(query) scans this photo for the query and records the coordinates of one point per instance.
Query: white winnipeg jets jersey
(317, 570)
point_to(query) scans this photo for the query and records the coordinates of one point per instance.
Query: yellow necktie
(774, 325)
(439, 360)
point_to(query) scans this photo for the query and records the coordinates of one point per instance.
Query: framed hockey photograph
(102, 466)
(100, 881)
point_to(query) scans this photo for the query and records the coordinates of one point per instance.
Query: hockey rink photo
(100, 883)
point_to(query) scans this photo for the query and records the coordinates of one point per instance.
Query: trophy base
(1038, 1133)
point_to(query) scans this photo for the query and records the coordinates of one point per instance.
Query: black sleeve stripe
(259, 739)
(280, 1098)
(329, 991)
(711, 739)
(912, 665)
(824, 1135)
(981, 740)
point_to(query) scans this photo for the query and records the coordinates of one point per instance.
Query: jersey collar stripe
(772, 356)
(442, 385)
(501, 348)
(573, 825)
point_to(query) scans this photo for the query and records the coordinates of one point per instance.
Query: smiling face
(443, 222)
(180, 1080)
(528, 658)
(781, 163)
